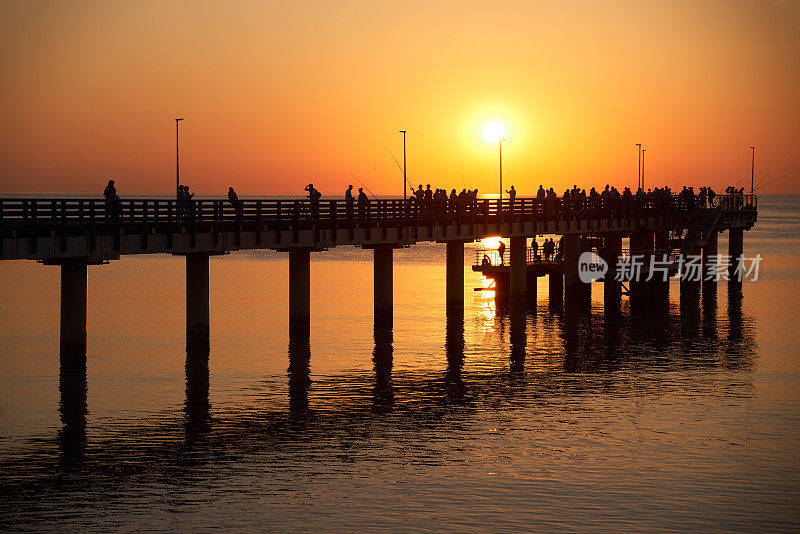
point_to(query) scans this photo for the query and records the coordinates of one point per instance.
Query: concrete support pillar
(710, 252)
(73, 310)
(641, 242)
(661, 241)
(735, 251)
(533, 288)
(572, 282)
(518, 277)
(383, 284)
(574, 289)
(455, 274)
(197, 331)
(612, 289)
(299, 292)
(555, 288)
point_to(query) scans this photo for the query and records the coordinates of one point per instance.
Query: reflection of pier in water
(552, 355)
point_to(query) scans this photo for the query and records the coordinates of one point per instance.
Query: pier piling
(383, 284)
(518, 276)
(73, 308)
(455, 275)
(299, 292)
(197, 306)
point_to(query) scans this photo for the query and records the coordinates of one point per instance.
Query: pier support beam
(455, 274)
(574, 289)
(661, 241)
(299, 292)
(533, 289)
(735, 251)
(518, 277)
(197, 330)
(555, 284)
(710, 252)
(73, 309)
(383, 284)
(612, 288)
(572, 282)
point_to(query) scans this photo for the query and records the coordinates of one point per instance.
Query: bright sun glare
(493, 132)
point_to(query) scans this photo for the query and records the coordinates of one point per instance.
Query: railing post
(156, 218)
(258, 222)
(238, 213)
(92, 227)
(63, 239)
(1, 226)
(34, 227)
(145, 227)
(170, 220)
(217, 211)
(279, 223)
(333, 206)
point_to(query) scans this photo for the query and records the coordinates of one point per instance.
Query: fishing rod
(364, 186)
(405, 178)
(761, 181)
(764, 184)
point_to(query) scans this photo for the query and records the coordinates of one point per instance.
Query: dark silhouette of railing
(31, 217)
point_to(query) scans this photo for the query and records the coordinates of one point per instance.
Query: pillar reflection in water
(72, 407)
(690, 310)
(197, 406)
(710, 311)
(382, 361)
(299, 373)
(518, 319)
(735, 316)
(455, 390)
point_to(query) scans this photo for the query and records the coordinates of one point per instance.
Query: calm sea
(662, 421)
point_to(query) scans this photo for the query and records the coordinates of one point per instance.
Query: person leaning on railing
(112, 202)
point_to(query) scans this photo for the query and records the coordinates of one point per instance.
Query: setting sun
(494, 132)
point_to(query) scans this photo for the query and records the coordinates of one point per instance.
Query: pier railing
(334, 213)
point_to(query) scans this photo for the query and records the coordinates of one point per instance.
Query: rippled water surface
(686, 419)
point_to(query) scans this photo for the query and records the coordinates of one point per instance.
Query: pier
(76, 234)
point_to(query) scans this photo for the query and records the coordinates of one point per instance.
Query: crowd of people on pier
(437, 202)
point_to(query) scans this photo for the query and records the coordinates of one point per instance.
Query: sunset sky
(279, 94)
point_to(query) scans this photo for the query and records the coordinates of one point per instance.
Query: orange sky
(277, 94)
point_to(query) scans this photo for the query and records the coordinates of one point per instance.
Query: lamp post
(405, 176)
(643, 151)
(501, 169)
(752, 168)
(177, 158)
(494, 132)
(639, 176)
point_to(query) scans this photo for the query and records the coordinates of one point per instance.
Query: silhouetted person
(233, 198)
(363, 205)
(501, 250)
(512, 194)
(349, 201)
(110, 191)
(535, 248)
(313, 199)
(188, 203)
(112, 201)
